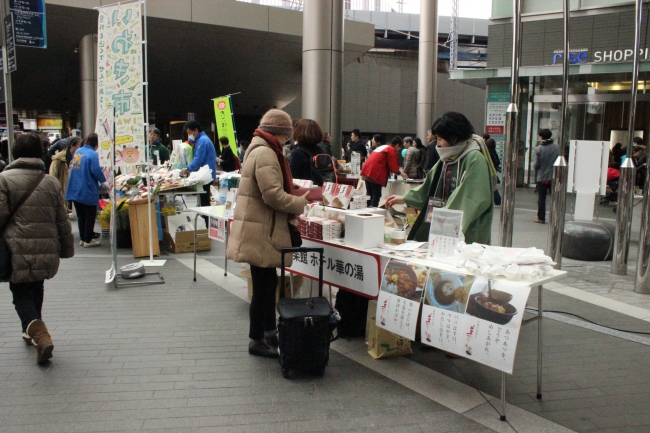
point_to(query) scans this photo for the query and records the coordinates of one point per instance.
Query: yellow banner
(225, 121)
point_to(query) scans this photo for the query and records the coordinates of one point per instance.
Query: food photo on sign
(404, 279)
(448, 291)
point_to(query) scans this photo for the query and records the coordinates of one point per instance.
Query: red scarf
(275, 144)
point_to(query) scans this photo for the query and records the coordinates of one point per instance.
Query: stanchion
(560, 169)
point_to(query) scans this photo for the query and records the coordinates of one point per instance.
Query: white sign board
(344, 267)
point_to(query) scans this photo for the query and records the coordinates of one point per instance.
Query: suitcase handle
(321, 251)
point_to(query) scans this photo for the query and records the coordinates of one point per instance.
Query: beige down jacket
(39, 234)
(260, 224)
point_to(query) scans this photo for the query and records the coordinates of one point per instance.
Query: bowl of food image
(444, 291)
(493, 310)
(399, 279)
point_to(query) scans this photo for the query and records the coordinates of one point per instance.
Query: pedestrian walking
(37, 233)
(61, 162)
(86, 177)
(545, 155)
(265, 208)
(463, 179)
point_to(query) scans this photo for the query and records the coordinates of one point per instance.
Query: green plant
(122, 219)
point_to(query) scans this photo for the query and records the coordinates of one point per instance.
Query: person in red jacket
(379, 164)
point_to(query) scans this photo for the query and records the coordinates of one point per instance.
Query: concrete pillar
(322, 66)
(427, 66)
(88, 74)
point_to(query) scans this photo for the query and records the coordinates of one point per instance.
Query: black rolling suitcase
(304, 326)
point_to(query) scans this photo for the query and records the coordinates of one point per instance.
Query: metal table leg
(503, 396)
(225, 267)
(196, 218)
(540, 291)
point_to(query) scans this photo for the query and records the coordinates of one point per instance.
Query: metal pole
(560, 169)
(9, 101)
(512, 134)
(88, 75)
(642, 283)
(427, 66)
(626, 181)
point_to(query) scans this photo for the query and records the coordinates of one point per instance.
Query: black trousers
(28, 299)
(374, 191)
(542, 191)
(262, 310)
(205, 201)
(86, 215)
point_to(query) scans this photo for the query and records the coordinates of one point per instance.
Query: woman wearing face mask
(463, 179)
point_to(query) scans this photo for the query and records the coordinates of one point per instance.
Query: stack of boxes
(320, 228)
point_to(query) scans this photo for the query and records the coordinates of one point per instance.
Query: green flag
(225, 121)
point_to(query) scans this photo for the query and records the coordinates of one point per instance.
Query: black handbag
(296, 239)
(5, 254)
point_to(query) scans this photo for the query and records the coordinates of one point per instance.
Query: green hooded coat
(471, 192)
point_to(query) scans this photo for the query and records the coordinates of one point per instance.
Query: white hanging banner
(120, 84)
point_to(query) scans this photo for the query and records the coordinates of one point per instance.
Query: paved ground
(173, 358)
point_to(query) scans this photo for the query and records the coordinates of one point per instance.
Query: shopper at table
(227, 156)
(462, 180)
(307, 134)
(375, 171)
(204, 154)
(411, 160)
(61, 162)
(38, 235)
(265, 208)
(356, 145)
(156, 145)
(431, 155)
(86, 177)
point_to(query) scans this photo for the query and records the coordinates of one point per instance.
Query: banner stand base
(153, 262)
(119, 281)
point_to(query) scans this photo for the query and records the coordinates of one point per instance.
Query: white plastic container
(364, 230)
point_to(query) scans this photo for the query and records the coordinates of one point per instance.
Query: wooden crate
(139, 221)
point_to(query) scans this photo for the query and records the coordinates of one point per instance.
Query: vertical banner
(120, 83)
(225, 122)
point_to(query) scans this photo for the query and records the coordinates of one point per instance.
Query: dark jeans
(28, 299)
(262, 311)
(374, 191)
(86, 215)
(205, 201)
(542, 191)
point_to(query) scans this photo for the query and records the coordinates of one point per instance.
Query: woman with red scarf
(265, 208)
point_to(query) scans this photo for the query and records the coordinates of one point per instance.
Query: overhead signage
(10, 42)
(581, 56)
(29, 21)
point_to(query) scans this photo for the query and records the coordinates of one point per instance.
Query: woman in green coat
(463, 179)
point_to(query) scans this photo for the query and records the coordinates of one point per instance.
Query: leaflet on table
(386, 251)
(217, 229)
(231, 200)
(303, 183)
(337, 195)
(399, 298)
(444, 232)
(459, 316)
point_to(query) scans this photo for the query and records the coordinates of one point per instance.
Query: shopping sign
(343, 267)
(225, 121)
(29, 23)
(120, 97)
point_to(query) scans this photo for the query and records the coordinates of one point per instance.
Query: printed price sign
(473, 317)
(217, 229)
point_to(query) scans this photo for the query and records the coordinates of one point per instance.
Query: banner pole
(145, 44)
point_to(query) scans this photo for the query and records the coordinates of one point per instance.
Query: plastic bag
(203, 175)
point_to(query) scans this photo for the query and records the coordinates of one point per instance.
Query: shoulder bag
(5, 254)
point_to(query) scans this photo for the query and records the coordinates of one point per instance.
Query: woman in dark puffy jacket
(38, 235)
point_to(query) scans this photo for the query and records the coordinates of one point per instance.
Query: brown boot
(41, 336)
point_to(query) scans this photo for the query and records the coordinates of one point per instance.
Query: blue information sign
(10, 42)
(29, 23)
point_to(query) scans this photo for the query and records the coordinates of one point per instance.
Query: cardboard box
(364, 230)
(185, 242)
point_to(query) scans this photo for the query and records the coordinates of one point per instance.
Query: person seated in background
(227, 158)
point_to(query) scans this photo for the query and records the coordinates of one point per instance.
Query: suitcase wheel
(285, 372)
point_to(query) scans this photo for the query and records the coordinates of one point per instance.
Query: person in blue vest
(86, 177)
(204, 154)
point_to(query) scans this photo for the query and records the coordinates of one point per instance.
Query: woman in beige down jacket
(38, 236)
(265, 208)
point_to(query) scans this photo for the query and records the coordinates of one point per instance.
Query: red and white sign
(221, 105)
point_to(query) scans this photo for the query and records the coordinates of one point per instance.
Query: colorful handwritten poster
(120, 84)
(225, 122)
(398, 304)
(473, 317)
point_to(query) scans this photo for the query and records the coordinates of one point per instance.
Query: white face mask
(191, 138)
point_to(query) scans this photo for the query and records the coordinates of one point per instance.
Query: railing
(355, 5)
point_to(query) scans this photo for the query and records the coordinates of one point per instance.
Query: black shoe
(260, 348)
(96, 235)
(272, 342)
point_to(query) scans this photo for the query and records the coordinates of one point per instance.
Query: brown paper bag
(384, 344)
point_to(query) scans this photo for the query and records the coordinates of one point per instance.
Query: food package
(336, 195)
(385, 344)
